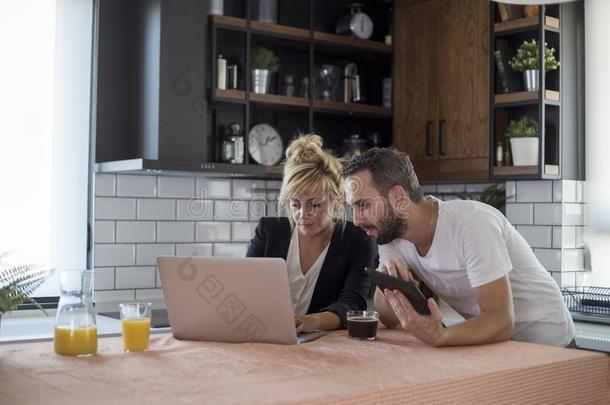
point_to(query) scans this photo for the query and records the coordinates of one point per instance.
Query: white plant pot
(524, 151)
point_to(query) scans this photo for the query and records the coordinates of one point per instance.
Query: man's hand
(427, 328)
(306, 323)
(398, 268)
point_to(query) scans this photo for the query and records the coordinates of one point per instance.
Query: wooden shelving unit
(524, 97)
(352, 109)
(543, 105)
(551, 23)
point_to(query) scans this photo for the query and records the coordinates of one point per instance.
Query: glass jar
(75, 327)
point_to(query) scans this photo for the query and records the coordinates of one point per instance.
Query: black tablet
(409, 289)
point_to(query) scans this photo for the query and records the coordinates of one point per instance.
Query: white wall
(597, 107)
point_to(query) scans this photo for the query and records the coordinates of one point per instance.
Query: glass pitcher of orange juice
(75, 327)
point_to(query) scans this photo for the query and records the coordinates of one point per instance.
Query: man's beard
(391, 226)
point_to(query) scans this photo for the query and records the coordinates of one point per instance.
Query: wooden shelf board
(227, 21)
(230, 95)
(524, 96)
(277, 99)
(526, 22)
(280, 30)
(324, 38)
(302, 35)
(350, 108)
(515, 170)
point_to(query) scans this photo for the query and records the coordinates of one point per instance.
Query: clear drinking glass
(135, 321)
(362, 324)
(75, 327)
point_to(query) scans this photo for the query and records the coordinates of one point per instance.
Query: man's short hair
(389, 167)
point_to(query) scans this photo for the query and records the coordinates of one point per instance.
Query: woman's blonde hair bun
(309, 167)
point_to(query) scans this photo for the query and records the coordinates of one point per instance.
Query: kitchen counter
(35, 326)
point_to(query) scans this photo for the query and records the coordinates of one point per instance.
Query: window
(45, 81)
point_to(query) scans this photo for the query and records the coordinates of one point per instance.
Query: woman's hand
(306, 323)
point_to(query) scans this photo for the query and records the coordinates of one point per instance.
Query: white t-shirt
(302, 285)
(474, 245)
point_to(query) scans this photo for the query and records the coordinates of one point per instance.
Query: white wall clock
(265, 145)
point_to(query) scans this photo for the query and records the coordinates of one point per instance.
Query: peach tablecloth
(334, 369)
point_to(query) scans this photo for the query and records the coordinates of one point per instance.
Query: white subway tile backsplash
(212, 188)
(176, 231)
(451, 188)
(568, 237)
(213, 232)
(274, 185)
(243, 231)
(230, 249)
(549, 258)
(247, 189)
(136, 186)
(231, 210)
(105, 185)
(114, 296)
(511, 191)
(115, 208)
(135, 277)
(176, 187)
(573, 214)
(135, 231)
(536, 236)
(557, 237)
(428, 188)
(477, 187)
(103, 278)
(520, 214)
(573, 260)
(580, 191)
(194, 249)
(150, 294)
(535, 191)
(114, 255)
(547, 214)
(580, 237)
(257, 209)
(150, 209)
(568, 279)
(564, 191)
(195, 210)
(103, 232)
(146, 254)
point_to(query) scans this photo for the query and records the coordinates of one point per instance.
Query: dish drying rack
(588, 303)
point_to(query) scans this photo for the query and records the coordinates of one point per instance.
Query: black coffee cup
(362, 324)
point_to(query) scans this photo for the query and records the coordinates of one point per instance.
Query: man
(465, 251)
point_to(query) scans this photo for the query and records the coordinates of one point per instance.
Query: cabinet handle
(428, 138)
(441, 146)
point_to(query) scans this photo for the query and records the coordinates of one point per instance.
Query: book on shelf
(510, 11)
(508, 79)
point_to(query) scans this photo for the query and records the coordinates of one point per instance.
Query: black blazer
(342, 284)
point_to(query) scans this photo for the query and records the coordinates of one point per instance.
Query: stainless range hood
(186, 168)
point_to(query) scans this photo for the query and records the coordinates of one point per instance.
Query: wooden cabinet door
(463, 80)
(416, 35)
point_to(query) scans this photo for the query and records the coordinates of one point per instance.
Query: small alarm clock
(356, 23)
(265, 145)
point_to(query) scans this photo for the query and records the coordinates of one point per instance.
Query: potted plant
(264, 62)
(17, 282)
(523, 135)
(527, 61)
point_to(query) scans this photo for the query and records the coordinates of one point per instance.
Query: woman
(325, 254)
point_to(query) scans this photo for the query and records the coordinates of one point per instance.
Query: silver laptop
(229, 299)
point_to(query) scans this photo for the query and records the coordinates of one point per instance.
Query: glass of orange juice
(135, 321)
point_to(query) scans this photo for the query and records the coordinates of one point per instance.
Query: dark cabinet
(442, 87)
